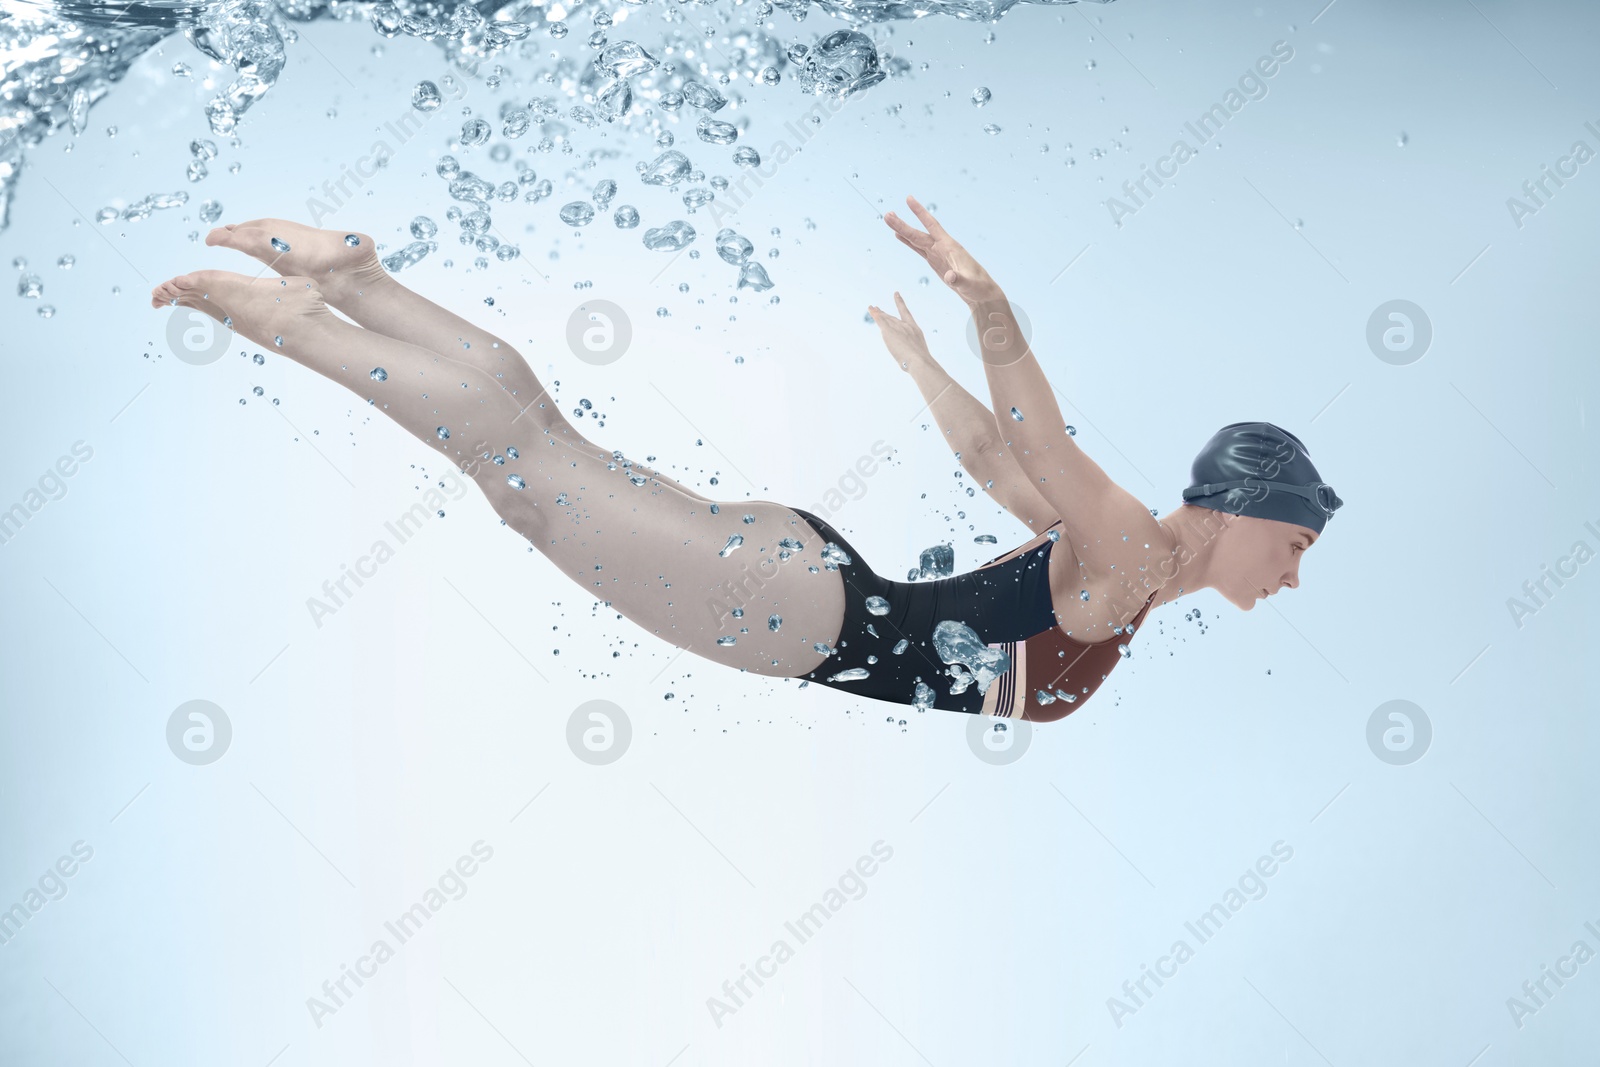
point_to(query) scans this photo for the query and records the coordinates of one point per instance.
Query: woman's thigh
(741, 583)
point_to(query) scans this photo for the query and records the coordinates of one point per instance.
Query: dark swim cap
(1258, 469)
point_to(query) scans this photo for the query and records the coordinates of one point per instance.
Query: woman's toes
(197, 285)
(171, 291)
(268, 243)
(249, 240)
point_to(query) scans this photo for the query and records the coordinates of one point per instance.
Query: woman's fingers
(903, 239)
(926, 217)
(918, 249)
(907, 235)
(937, 247)
(901, 336)
(904, 326)
(929, 255)
(939, 262)
(898, 224)
(906, 232)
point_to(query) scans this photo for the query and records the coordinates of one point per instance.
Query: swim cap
(1258, 469)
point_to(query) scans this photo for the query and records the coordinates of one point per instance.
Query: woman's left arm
(966, 424)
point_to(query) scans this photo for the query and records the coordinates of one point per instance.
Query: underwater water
(307, 759)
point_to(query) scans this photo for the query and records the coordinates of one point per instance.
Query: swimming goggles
(1321, 494)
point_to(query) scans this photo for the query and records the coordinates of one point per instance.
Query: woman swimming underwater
(769, 589)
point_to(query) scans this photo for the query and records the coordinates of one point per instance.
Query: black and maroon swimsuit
(1006, 602)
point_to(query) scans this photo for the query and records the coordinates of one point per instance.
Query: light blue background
(370, 753)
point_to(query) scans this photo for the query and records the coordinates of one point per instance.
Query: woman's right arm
(1073, 485)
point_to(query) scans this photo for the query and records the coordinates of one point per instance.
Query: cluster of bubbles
(620, 72)
(77, 50)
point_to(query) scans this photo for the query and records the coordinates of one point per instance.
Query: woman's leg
(656, 555)
(353, 281)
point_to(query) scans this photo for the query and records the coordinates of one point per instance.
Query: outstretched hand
(953, 263)
(902, 335)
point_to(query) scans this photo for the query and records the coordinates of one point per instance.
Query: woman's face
(1257, 557)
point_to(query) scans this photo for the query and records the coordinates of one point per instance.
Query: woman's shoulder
(1117, 536)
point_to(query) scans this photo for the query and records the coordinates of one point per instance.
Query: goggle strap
(1310, 492)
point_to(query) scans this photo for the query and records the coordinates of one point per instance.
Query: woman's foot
(341, 269)
(285, 315)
